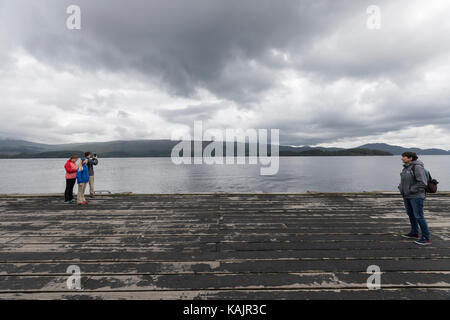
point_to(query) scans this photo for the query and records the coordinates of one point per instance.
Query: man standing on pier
(90, 164)
(412, 186)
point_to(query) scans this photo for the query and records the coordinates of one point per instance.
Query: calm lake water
(160, 175)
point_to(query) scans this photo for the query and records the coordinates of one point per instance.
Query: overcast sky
(142, 69)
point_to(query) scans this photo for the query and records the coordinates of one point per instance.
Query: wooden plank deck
(221, 246)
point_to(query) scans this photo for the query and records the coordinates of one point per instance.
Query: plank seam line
(220, 260)
(90, 274)
(235, 289)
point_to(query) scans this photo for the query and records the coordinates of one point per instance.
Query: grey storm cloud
(235, 49)
(191, 113)
(184, 44)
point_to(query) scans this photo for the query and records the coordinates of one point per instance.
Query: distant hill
(162, 148)
(344, 152)
(136, 148)
(142, 148)
(43, 155)
(397, 150)
(9, 146)
(306, 148)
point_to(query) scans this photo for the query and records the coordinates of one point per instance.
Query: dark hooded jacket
(412, 185)
(91, 163)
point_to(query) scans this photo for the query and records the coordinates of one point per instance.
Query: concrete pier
(221, 246)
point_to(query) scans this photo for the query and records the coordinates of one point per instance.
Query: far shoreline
(306, 193)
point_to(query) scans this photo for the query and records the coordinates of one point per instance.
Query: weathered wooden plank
(269, 281)
(296, 294)
(236, 266)
(244, 243)
(208, 246)
(124, 255)
(174, 238)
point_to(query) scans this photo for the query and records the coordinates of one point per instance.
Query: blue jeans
(414, 209)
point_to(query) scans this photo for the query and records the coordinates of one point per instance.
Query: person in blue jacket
(82, 180)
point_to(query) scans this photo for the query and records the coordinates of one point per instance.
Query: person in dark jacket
(91, 162)
(413, 183)
(71, 175)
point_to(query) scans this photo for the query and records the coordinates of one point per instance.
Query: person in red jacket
(71, 177)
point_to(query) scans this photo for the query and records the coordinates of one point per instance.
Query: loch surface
(160, 175)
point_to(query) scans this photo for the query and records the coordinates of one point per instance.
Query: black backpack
(431, 183)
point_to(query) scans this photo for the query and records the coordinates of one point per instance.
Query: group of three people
(80, 171)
